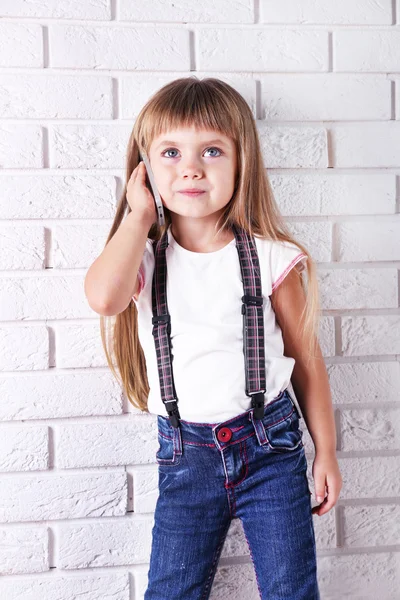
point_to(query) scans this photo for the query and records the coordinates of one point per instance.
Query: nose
(191, 167)
(191, 173)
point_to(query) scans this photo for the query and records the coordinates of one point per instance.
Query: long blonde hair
(213, 105)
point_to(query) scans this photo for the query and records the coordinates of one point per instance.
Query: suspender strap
(253, 325)
(253, 320)
(162, 331)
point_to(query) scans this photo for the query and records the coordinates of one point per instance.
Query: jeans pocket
(167, 453)
(284, 435)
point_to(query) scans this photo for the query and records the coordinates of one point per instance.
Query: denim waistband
(241, 426)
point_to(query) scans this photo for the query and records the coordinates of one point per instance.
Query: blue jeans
(245, 468)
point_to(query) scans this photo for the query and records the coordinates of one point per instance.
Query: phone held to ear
(156, 195)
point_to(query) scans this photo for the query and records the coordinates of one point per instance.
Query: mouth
(192, 194)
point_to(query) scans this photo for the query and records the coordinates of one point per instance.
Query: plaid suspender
(253, 325)
(253, 320)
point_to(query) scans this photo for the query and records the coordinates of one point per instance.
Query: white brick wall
(79, 479)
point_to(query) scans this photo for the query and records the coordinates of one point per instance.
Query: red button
(224, 434)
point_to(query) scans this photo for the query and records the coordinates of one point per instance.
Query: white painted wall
(78, 474)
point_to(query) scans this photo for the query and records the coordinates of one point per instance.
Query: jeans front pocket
(284, 435)
(169, 449)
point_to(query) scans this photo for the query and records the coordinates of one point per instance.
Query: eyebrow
(169, 142)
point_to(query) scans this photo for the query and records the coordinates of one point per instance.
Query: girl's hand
(326, 474)
(139, 197)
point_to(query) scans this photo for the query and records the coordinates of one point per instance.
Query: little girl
(212, 321)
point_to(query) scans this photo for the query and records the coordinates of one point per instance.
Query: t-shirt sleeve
(141, 277)
(145, 266)
(284, 256)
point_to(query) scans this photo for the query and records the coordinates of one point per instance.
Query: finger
(133, 174)
(319, 490)
(325, 506)
(317, 506)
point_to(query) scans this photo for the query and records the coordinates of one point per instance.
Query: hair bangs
(188, 102)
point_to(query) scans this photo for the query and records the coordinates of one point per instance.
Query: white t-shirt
(204, 292)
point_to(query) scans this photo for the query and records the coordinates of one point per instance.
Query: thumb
(320, 490)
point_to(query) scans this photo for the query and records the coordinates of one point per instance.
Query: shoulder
(279, 257)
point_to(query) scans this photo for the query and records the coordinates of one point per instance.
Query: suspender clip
(257, 402)
(251, 301)
(173, 412)
(162, 319)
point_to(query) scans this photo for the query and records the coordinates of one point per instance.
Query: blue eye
(214, 148)
(168, 150)
(173, 149)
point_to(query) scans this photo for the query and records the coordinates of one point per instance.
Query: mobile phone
(156, 195)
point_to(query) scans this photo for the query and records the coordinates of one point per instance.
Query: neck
(197, 235)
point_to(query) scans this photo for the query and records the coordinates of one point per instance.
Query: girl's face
(188, 158)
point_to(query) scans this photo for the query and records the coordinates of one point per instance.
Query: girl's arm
(113, 277)
(310, 382)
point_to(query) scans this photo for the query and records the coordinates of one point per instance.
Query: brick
(369, 429)
(366, 144)
(59, 298)
(55, 196)
(397, 98)
(23, 550)
(79, 346)
(84, 393)
(29, 497)
(136, 88)
(113, 443)
(113, 586)
(302, 194)
(24, 448)
(115, 542)
(235, 543)
(371, 526)
(266, 50)
(21, 45)
(364, 382)
(145, 489)
(293, 147)
(345, 289)
(316, 236)
(362, 575)
(325, 530)
(369, 241)
(341, 12)
(68, 9)
(368, 50)
(77, 246)
(24, 348)
(20, 146)
(88, 146)
(208, 11)
(120, 48)
(325, 97)
(22, 247)
(326, 336)
(54, 96)
(369, 477)
(371, 335)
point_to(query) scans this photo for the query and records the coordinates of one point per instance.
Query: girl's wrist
(139, 221)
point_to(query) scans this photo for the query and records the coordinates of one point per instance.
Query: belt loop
(258, 428)
(177, 437)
